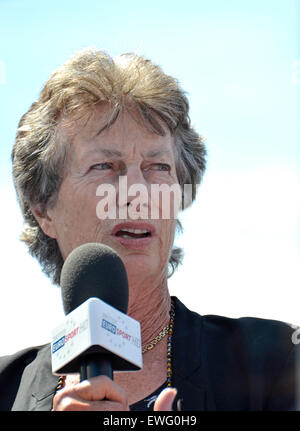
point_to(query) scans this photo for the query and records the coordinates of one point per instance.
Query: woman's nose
(134, 191)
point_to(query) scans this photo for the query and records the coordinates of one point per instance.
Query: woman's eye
(161, 167)
(102, 166)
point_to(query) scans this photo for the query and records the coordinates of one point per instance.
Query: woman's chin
(139, 267)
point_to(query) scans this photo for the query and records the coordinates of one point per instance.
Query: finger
(165, 400)
(100, 388)
(71, 404)
(87, 394)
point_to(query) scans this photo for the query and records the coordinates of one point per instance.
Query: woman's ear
(44, 220)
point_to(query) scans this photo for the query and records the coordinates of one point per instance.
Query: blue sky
(239, 63)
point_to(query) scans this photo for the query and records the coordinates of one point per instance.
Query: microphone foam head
(94, 270)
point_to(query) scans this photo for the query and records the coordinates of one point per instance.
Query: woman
(98, 120)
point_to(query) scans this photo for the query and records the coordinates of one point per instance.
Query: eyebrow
(154, 153)
(110, 153)
(151, 154)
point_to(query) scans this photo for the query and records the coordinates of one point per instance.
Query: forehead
(128, 131)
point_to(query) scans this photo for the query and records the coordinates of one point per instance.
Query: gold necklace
(159, 337)
(166, 330)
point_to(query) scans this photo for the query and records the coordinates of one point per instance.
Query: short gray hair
(88, 78)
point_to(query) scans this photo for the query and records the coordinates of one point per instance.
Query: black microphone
(92, 271)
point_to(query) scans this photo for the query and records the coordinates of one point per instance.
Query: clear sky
(239, 63)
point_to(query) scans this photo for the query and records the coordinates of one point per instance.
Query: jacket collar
(187, 360)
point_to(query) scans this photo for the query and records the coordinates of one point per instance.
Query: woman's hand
(103, 394)
(98, 394)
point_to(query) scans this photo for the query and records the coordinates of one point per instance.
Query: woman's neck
(149, 303)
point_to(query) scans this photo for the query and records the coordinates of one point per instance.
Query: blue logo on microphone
(58, 344)
(109, 326)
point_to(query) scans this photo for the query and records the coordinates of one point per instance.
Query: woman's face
(141, 159)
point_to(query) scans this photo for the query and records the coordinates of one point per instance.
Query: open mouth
(133, 233)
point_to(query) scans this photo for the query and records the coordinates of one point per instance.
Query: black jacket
(219, 363)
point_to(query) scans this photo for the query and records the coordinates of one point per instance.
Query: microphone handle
(94, 365)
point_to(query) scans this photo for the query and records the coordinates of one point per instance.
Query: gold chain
(153, 343)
